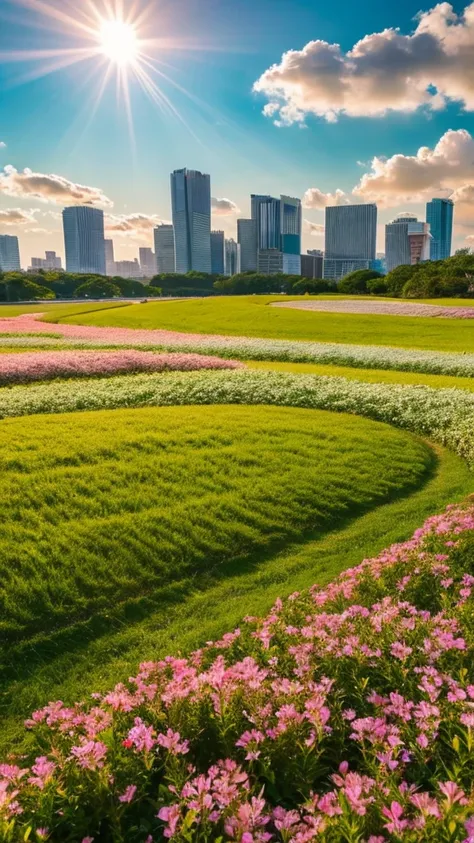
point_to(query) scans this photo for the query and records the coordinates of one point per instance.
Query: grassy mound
(249, 316)
(346, 714)
(104, 508)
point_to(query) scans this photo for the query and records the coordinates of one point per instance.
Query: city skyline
(398, 145)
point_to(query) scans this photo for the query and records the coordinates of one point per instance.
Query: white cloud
(49, 188)
(223, 207)
(316, 199)
(16, 216)
(3, 145)
(384, 71)
(313, 228)
(132, 225)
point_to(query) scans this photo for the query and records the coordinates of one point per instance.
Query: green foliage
(14, 286)
(111, 508)
(311, 285)
(98, 287)
(356, 282)
(433, 279)
(195, 283)
(254, 283)
(377, 286)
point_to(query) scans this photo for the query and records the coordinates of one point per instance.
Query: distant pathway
(380, 308)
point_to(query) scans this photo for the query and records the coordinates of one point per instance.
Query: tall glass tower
(350, 239)
(191, 205)
(84, 240)
(439, 215)
(9, 253)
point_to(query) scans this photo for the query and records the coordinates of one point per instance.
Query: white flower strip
(445, 415)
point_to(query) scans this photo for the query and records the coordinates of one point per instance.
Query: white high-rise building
(164, 249)
(147, 260)
(110, 268)
(247, 239)
(191, 206)
(350, 239)
(407, 242)
(128, 269)
(9, 253)
(84, 240)
(232, 257)
(51, 261)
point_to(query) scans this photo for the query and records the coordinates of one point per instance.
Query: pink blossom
(128, 794)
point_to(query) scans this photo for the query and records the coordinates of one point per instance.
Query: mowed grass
(105, 507)
(253, 317)
(366, 375)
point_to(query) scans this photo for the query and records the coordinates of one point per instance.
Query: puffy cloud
(132, 225)
(49, 188)
(313, 228)
(385, 71)
(410, 178)
(316, 199)
(3, 145)
(223, 207)
(15, 216)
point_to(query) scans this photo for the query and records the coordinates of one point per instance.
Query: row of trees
(15, 286)
(453, 277)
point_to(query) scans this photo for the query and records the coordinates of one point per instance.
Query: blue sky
(224, 47)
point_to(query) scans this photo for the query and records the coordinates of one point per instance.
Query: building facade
(191, 206)
(84, 240)
(232, 257)
(419, 240)
(164, 249)
(407, 242)
(291, 221)
(128, 269)
(247, 240)
(9, 253)
(147, 261)
(50, 261)
(439, 216)
(350, 239)
(217, 252)
(109, 257)
(278, 233)
(312, 265)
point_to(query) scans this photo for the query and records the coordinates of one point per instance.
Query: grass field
(250, 316)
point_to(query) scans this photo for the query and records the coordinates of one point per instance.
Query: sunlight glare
(119, 42)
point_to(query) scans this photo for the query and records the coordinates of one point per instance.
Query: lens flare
(119, 42)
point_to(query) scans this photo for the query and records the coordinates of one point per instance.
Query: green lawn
(366, 375)
(250, 316)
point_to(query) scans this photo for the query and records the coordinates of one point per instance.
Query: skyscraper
(147, 262)
(164, 249)
(247, 239)
(51, 261)
(232, 257)
(217, 252)
(312, 265)
(350, 239)
(110, 268)
(9, 253)
(407, 242)
(191, 205)
(291, 219)
(84, 239)
(439, 215)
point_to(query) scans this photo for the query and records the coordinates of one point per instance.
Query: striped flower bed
(244, 348)
(380, 308)
(346, 715)
(48, 365)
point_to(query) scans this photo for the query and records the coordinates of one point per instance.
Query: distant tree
(98, 288)
(14, 286)
(377, 286)
(397, 278)
(464, 251)
(356, 282)
(312, 286)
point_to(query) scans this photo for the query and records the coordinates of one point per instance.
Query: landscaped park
(237, 571)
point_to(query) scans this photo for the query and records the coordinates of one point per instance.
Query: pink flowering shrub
(347, 714)
(47, 365)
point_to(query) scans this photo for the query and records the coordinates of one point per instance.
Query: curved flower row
(446, 415)
(247, 348)
(40, 366)
(377, 307)
(347, 714)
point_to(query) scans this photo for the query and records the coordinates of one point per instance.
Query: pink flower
(141, 737)
(90, 754)
(43, 770)
(453, 793)
(171, 816)
(128, 793)
(173, 743)
(394, 815)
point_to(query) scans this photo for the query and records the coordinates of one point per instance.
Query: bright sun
(119, 41)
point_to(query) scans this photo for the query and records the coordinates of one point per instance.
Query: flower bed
(47, 365)
(446, 415)
(347, 714)
(380, 308)
(24, 331)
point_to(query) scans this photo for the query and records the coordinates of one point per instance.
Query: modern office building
(291, 220)
(247, 240)
(217, 252)
(164, 249)
(84, 240)
(312, 264)
(407, 242)
(232, 257)
(147, 261)
(191, 205)
(278, 233)
(128, 269)
(439, 216)
(350, 239)
(51, 261)
(9, 253)
(109, 257)
(270, 261)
